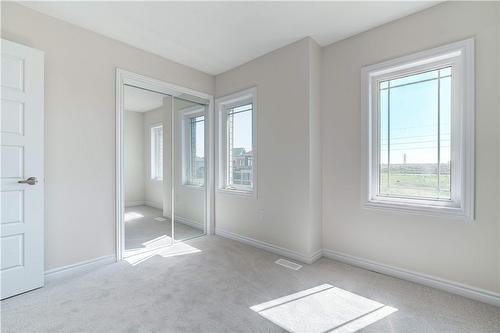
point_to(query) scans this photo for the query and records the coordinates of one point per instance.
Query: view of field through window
(415, 135)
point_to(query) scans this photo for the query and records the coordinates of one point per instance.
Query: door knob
(29, 181)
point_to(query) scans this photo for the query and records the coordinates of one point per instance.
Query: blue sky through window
(415, 135)
(242, 124)
(410, 111)
(200, 136)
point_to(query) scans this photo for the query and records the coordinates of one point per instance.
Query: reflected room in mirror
(164, 169)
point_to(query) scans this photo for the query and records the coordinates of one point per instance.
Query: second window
(236, 141)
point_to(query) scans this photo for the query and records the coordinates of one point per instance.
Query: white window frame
(222, 105)
(153, 158)
(460, 56)
(187, 115)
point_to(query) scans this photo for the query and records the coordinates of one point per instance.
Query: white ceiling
(141, 100)
(216, 36)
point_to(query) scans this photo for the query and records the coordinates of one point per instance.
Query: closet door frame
(124, 77)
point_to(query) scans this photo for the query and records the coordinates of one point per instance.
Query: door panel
(21, 151)
(12, 117)
(12, 251)
(12, 71)
(12, 207)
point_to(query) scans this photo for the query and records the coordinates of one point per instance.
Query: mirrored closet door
(164, 171)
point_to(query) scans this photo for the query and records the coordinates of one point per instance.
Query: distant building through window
(241, 166)
(239, 138)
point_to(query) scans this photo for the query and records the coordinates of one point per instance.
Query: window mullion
(230, 130)
(388, 139)
(157, 152)
(192, 150)
(159, 139)
(439, 137)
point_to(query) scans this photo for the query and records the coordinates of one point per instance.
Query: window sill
(194, 187)
(243, 193)
(418, 208)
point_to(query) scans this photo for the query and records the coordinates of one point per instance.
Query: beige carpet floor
(211, 284)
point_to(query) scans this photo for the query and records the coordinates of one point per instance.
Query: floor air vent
(288, 264)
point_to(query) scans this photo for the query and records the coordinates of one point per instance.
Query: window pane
(384, 141)
(196, 175)
(415, 136)
(445, 138)
(239, 123)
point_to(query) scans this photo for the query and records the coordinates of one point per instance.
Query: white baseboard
(308, 259)
(316, 256)
(80, 266)
(427, 280)
(153, 204)
(404, 274)
(189, 222)
(424, 279)
(134, 203)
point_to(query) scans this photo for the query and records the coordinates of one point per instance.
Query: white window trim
(187, 114)
(151, 127)
(222, 104)
(461, 56)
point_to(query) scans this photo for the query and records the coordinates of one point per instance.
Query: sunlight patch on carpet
(129, 216)
(176, 249)
(164, 240)
(324, 308)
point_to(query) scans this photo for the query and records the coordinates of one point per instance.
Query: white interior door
(22, 179)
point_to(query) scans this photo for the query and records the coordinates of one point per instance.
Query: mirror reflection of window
(196, 161)
(189, 167)
(157, 152)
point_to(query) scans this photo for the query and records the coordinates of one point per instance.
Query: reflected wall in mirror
(147, 170)
(189, 166)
